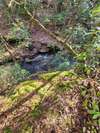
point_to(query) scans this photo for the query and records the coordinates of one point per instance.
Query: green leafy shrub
(7, 130)
(19, 31)
(61, 61)
(80, 35)
(11, 74)
(31, 5)
(18, 73)
(59, 17)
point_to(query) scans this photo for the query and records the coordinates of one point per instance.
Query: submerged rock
(39, 63)
(46, 61)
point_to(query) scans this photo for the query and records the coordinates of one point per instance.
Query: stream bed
(46, 61)
(13, 73)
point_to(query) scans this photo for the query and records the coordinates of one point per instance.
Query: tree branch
(58, 39)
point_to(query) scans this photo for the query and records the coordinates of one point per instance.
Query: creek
(48, 61)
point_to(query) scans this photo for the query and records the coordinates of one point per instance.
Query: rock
(36, 45)
(38, 63)
(40, 36)
(44, 49)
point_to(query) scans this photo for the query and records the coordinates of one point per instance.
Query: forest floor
(54, 102)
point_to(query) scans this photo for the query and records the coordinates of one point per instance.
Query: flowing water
(46, 61)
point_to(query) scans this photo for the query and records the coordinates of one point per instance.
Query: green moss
(11, 74)
(48, 75)
(24, 88)
(36, 112)
(27, 129)
(8, 130)
(5, 102)
(46, 86)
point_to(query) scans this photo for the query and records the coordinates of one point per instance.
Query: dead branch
(58, 39)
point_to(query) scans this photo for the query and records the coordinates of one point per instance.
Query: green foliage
(61, 61)
(59, 18)
(27, 129)
(8, 130)
(80, 35)
(96, 11)
(88, 60)
(2, 49)
(81, 25)
(64, 65)
(19, 31)
(91, 103)
(36, 112)
(11, 74)
(82, 56)
(84, 10)
(95, 113)
(18, 73)
(31, 5)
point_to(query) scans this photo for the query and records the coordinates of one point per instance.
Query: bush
(61, 61)
(11, 74)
